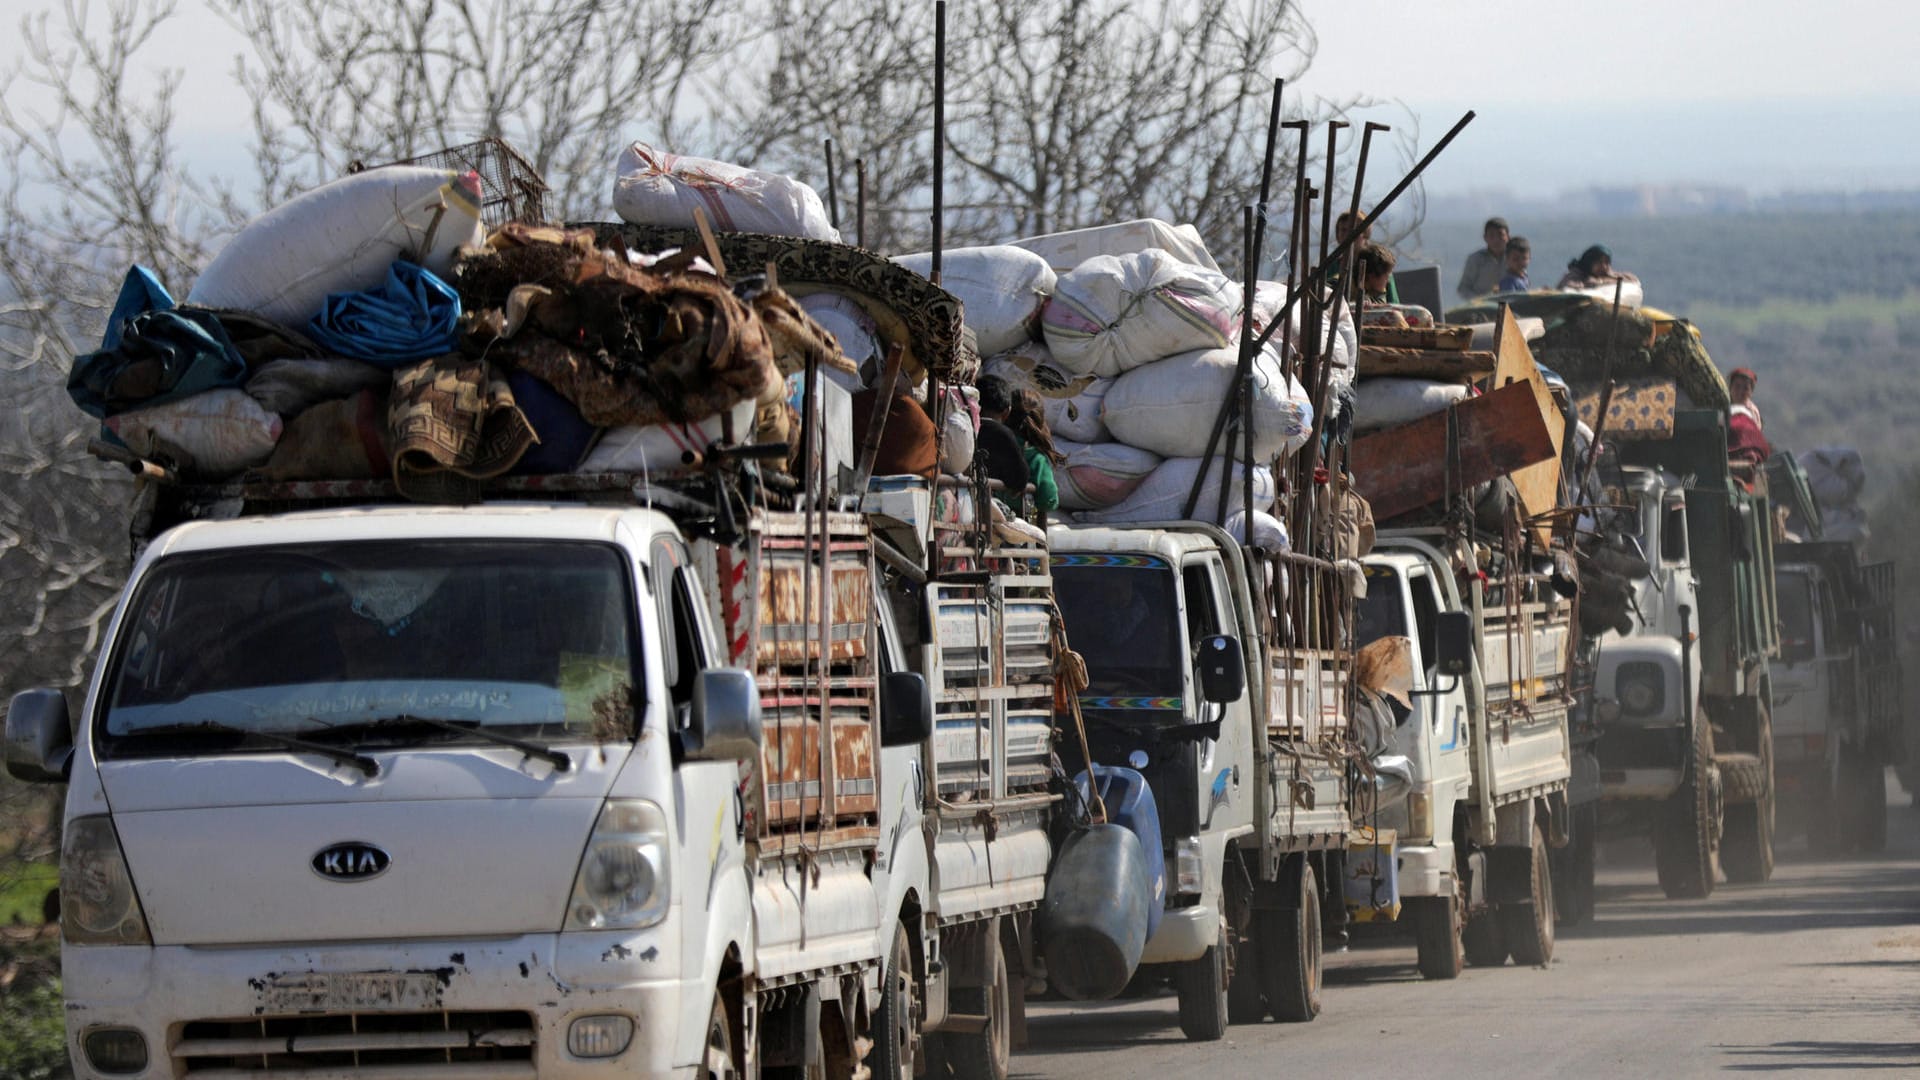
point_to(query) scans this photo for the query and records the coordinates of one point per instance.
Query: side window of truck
(1673, 533)
(680, 629)
(1426, 615)
(1203, 604)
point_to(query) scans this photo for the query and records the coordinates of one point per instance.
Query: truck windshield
(1123, 617)
(363, 638)
(1795, 594)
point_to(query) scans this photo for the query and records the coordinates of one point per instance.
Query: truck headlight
(1189, 873)
(1641, 688)
(623, 880)
(97, 902)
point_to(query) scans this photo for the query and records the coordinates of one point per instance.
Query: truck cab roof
(1169, 540)
(522, 521)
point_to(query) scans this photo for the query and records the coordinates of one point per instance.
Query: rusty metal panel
(790, 608)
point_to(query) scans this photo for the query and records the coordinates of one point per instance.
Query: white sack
(850, 325)
(1269, 533)
(1001, 290)
(1631, 294)
(1162, 496)
(1098, 475)
(657, 448)
(342, 237)
(654, 187)
(1835, 474)
(210, 435)
(1112, 314)
(1078, 417)
(1066, 250)
(291, 386)
(1844, 523)
(1385, 403)
(1169, 406)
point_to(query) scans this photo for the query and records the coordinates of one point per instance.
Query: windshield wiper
(557, 758)
(365, 764)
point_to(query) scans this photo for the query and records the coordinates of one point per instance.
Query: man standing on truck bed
(1482, 273)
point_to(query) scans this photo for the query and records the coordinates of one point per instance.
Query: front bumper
(1185, 933)
(523, 991)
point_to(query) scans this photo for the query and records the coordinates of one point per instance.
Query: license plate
(374, 991)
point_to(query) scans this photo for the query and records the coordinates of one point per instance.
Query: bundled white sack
(1169, 406)
(1078, 417)
(1385, 403)
(654, 187)
(209, 435)
(1270, 297)
(1269, 532)
(1112, 314)
(1098, 475)
(1066, 250)
(1001, 290)
(342, 237)
(1835, 474)
(660, 448)
(1162, 496)
(850, 325)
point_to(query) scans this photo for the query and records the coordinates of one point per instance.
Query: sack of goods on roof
(656, 187)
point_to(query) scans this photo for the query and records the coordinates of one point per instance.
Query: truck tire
(1202, 986)
(1746, 851)
(1289, 944)
(1246, 1002)
(1436, 931)
(1527, 925)
(893, 1022)
(1684, 827)
(1573, 869)
(989, 1054)
(720, 1060)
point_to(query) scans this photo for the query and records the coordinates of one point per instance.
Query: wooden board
(1641, 408)
(1405, 468)
(1538, 483)
(1450, 338)
(1423, 363)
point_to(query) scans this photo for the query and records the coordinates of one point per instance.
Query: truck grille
(401, 1046)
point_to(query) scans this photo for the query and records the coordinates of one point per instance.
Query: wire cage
(510, 188)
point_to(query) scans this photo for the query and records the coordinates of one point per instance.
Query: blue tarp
(412, 316)
(153, 352)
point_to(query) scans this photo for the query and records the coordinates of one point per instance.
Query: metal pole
(1326, 208)
(833, 189)
(939, 128)
(860, 202)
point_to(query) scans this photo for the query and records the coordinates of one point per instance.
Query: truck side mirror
(906, 709)
(1453, 643)
(39, 737)
(724, 723)
(1223, 670)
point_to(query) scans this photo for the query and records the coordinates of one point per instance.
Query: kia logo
(354, 860)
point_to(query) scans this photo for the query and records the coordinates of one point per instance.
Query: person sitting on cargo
(998, 452)
(1029, 421)
(1337, 265)
(906, 437)
(1519, 257)
(1482, 273)
(1376, 264)
(1746, 437)
(1594, 267)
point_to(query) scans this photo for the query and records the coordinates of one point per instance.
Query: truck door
(1210, 612)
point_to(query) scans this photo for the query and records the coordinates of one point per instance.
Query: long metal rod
(833, 189)
(860, 202)
(939, 130)
(1326, 207)
(1366, 223)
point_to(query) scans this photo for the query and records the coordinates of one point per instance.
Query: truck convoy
(615, 664)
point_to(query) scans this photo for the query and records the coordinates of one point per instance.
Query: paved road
(1818, 970)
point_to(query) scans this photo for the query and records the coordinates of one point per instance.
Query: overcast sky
(1766, 94)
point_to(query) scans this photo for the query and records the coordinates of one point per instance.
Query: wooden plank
(1448, 338)
(1539, 483)
(1423, 363)
(1405, 468)
(1641, 408)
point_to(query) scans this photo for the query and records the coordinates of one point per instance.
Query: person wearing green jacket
(1028, 419)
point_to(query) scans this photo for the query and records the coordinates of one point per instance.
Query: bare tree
(335, 81)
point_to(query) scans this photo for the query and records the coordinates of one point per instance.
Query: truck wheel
(1289, 944)
(1746, 850)
(1684, 827)
(1202, 986)
(1527, 925)
(719, 1061)
(988, 1054)
(894, 1022)
(1482, 940)
(1436, 929)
